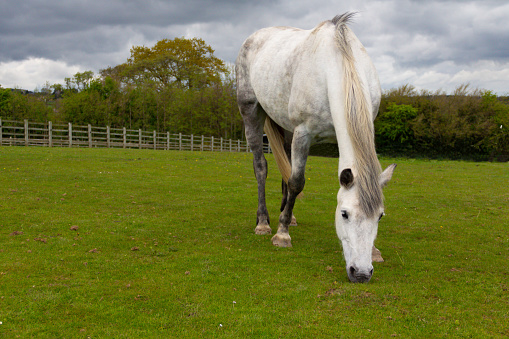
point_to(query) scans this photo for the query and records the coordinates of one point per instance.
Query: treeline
(180, 86)
(467, 124)
(177, 85)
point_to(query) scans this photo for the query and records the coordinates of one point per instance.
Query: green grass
(165, 247)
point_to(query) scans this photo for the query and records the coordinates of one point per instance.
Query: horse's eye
(344, 214)
(381, 215)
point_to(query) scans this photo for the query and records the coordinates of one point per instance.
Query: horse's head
(355, 227)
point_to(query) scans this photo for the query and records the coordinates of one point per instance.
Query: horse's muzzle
(359, 276)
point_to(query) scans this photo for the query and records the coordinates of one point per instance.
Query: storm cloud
(429, 44)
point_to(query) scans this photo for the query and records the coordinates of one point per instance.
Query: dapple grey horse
(309, 86)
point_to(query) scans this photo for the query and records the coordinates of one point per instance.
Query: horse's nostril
(357, 275)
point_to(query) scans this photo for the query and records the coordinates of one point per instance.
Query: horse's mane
(360, 124)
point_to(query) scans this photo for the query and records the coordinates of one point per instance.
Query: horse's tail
(360, 122)
(276, 139)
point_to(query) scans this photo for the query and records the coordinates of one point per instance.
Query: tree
(5, 102)
(80, 81)
(184, 63)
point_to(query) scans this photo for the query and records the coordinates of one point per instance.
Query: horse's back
(266, 55)
(280, 64)
(288, 71)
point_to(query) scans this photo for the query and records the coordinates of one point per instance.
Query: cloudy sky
(433, 44)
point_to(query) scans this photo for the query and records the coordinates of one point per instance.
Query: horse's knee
(260, 167)
(296, 184)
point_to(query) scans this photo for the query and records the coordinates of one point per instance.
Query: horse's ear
(346, 178)
(386, 175)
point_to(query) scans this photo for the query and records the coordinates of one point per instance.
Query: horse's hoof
(263, 229)
(282, 240)
(376, 256)
(294, 221)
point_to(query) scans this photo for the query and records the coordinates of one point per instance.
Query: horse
(311, 86)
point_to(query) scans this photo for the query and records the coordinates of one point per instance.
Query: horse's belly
(274, 97)
(279, 113)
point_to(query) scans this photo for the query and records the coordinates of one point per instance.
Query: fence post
(155, 139)
(139, 138)
(202, 139)
(50, 134)
(89, 134)
(70, 134)
(192, 142)
(26, 132)
(180, 141)
(238, 145)
(212, 144)
(167, 141)
(0, 131)
(108, 136)
(230, 145)
(124, 135)
(221, 143)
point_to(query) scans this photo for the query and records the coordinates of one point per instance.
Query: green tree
(19, 105)
(5, 102)
(178, 85)
(184, 63)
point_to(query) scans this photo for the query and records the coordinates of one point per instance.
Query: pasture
(140, 243)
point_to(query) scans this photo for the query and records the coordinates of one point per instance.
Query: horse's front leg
(284, 189)
(300, 150)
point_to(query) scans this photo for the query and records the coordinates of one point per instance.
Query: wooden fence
(26, 133)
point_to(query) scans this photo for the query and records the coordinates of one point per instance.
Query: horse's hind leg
(254, 119)
(284, 186)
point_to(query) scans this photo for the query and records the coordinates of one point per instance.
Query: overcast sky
(430, 44)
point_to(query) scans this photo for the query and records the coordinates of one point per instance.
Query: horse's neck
(346, 152)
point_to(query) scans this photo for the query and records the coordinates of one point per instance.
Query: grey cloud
(48, 29)
(418, 37)
(424, 34)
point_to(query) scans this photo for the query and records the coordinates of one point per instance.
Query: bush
(465, 125)
(393, 128)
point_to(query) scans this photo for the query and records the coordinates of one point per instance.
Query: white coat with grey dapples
(312, 86)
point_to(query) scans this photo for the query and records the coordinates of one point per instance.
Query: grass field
(127, 243)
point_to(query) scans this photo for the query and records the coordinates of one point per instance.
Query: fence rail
(26, 133)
